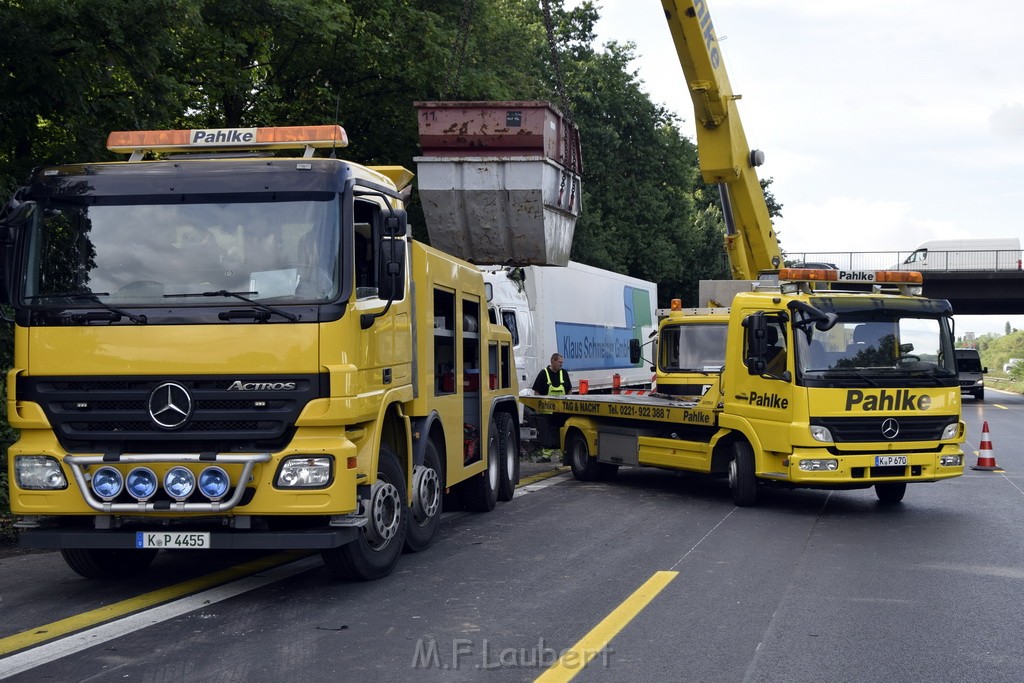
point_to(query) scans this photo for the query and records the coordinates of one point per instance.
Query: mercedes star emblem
(170, 405)
(890, 428)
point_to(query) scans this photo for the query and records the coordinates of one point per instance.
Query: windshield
(969, 363)
(157, 254)
(868, 347)
(696, 347)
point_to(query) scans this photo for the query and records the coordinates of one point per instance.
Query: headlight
(950, 431)
(214, 483)
(141, 483)
(38, 473)
(107, 483)
(819, 433)
(179, 482)
(819, 464)
(951, 460)
(304, 471)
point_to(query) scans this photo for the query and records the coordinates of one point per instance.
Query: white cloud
(1008, 121)
(884, 124)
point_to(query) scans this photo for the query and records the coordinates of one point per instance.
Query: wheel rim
(733, 476)
(510, 456)
(426, 497)
(492, 461)
(385, 514)
(579, 454)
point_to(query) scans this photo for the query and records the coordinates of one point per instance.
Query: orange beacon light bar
(282, 137)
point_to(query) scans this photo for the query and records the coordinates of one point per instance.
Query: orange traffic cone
(986, 461)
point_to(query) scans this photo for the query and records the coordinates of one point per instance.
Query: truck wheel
(742, 480)
(481, 493)
(102, 563)
(427, 492)
(375, 551)
(584, 467)
(508, 447)
(891, 492)
(980, 394)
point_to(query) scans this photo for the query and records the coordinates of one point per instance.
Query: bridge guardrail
(983, 260)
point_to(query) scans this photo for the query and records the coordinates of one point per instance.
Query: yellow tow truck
(825, 378)
(815, 383)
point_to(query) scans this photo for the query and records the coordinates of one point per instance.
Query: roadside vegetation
(996, 351)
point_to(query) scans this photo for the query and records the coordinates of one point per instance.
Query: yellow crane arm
(725, 157)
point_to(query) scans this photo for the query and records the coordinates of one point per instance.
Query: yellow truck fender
(586, 426)
(731, 430)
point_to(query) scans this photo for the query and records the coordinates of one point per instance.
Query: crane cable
(571, 138)
(453, 74)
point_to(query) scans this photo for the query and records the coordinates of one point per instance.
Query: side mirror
(391, 284)
(828, 323)
(756, 327)
(396, 223)
(634, 351)
(14, 215)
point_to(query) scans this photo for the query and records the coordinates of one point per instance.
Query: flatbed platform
(643, 407)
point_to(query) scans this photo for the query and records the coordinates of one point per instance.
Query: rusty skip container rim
(498, 128)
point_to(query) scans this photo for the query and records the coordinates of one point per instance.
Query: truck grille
(869, 429)
(113, 415)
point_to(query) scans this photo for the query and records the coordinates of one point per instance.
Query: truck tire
(103, 563)
(584, 467)
(891, 492)
(980, 394)
(375, 551)
(481, 491)
(427, 492)
(508, 447)
(742, 478)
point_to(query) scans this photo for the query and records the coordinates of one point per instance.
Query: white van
(972, 374)
(990, 253)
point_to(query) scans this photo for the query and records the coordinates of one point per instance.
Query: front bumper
(860, 469)
(248, 539)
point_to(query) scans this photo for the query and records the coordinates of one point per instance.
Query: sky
(884, 123)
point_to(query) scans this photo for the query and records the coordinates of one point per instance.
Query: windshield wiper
(290, 317)
(851, 371)
(94, 297)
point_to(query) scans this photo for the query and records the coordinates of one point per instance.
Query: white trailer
(586, 314)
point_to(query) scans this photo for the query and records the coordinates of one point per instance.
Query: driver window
(365, 259)
(775, 347)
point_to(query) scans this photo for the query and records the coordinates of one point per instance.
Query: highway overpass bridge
(986, 283)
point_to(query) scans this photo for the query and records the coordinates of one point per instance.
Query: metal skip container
(499, 181)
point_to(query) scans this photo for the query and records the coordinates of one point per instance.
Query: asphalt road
(655, 575)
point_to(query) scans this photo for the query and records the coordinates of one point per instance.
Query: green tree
(73, 71)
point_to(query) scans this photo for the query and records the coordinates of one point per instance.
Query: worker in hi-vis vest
(552, 381)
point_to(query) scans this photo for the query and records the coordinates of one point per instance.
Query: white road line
(37, 656)
(540, 485)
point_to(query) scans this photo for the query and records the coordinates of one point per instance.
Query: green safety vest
(555, 389)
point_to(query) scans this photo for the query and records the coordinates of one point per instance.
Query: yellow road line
(533, 479)
(78, 622)
(84, 620)
(579, 655)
